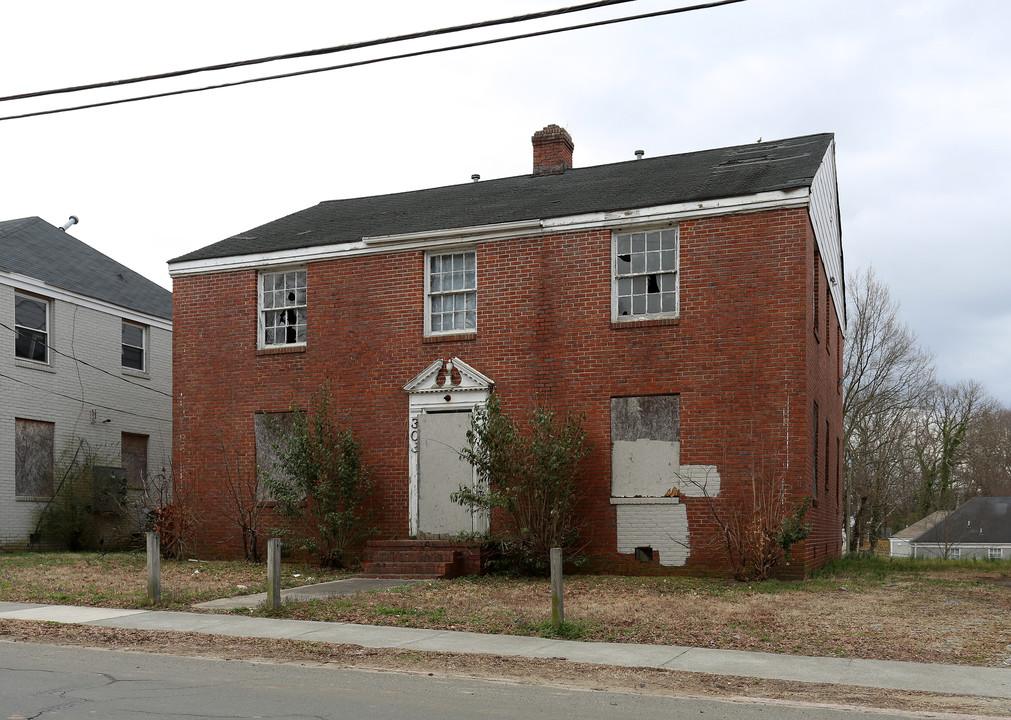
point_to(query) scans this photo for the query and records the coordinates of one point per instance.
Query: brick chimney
(552, 150)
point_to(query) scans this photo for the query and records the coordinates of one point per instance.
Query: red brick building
(690, 306)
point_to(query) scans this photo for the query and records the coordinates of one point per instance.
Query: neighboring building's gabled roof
(32, 247)
(737, 171)
(921, 526)
(982, 520)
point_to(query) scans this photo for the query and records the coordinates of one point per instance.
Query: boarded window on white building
(33, 458)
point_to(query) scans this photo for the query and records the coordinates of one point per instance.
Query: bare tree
(886, 376)
(240, 502)
(988, 457)
(942, 450)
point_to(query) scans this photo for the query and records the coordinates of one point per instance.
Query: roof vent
(475, 177)
(639, 154)
(71, 222)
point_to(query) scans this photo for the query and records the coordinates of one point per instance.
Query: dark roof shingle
(981, 520)
(32, 247)
(704, 175)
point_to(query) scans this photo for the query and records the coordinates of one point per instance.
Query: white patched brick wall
(658, 523)
(65, 393)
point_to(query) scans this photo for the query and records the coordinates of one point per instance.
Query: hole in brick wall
(644, 554)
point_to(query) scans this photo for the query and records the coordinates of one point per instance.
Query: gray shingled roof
(705, 175)
(31, 246)
(920, 526)
(982, 520)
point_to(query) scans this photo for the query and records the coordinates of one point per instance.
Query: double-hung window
(452, 293)
(282, 308)
(31, 327)
(645, 274)
(133, 346)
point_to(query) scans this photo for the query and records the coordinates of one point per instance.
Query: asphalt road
(68, 683)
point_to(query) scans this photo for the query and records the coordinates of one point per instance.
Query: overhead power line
(324, 51)
(372, 61)
(95, 367)
(82, 400)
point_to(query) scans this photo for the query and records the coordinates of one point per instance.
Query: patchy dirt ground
(961, 617)
(503, 668)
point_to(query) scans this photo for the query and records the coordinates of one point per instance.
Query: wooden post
(274, 573)
(154, 568)
(557, 601)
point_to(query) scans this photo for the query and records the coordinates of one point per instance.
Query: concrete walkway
(952, 679)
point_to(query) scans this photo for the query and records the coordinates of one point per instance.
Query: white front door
(441, 472)
(442, 399)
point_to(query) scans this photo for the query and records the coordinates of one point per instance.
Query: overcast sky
(918, 93)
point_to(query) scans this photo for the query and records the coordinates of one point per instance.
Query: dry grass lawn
(958, 613)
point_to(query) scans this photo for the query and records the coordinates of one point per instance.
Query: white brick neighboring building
(85, 369)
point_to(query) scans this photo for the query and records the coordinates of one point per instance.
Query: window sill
(459, 337)
(640, 500)
(34, 365)
(33, 498)
(284, 350)
(136, 373)
(645, 322)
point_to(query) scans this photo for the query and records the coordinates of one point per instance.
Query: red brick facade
(744, 356)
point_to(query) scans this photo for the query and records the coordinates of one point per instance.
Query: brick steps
(421, 559)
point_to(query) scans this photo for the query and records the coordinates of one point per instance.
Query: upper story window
(451, 283)
(645, 274)
(31, 325)
(134, 343)
(282, 308)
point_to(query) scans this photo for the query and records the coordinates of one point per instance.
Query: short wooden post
(274, 573)
(557, 601)
(154, 568)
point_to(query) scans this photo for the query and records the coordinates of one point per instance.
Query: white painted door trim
(444, 385)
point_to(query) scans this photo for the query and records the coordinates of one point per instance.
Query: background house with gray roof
(86, 378)
(979, 529)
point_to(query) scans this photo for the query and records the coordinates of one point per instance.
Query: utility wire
(419, 53)
(324, 51)
(94, 367)
(82, 400)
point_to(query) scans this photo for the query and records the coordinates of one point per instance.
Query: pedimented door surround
(444, 386)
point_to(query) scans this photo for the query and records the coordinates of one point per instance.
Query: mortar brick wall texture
(743, 355)
(66, 393)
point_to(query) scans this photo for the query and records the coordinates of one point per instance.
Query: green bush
(529, 475)
(322, 487)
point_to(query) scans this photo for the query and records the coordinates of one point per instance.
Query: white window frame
(142, 347)
(620, 274)
(954, 553)
(262, 310)
(995, 553)
(457, 292)
(47, 331)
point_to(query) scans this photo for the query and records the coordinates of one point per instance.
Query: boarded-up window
(134, 452)
(33, 458)
(270, 430)
(645, 448)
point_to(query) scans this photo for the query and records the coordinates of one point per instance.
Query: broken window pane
(646, 273)
(283, 308)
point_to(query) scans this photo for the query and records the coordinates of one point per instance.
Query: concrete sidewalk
(953, 679)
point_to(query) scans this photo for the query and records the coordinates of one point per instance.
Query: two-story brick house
(85, 376)
(690, 306)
